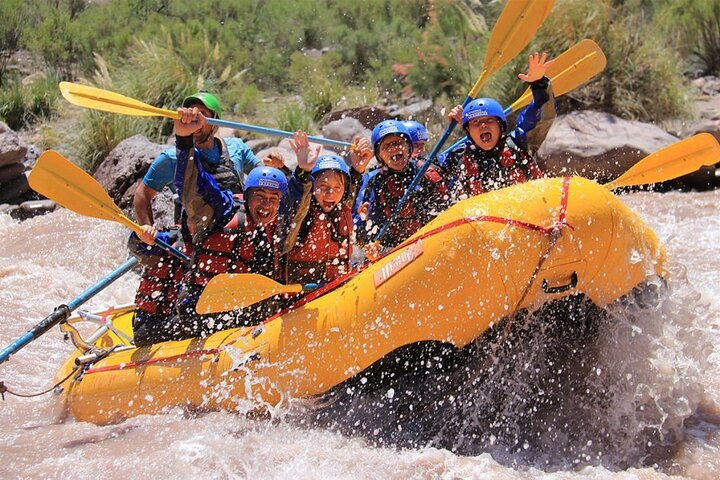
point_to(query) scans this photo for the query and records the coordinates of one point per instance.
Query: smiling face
(263, 205)
(484, 132)
(394, 152)
(329, 189)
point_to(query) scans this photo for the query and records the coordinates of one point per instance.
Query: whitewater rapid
(664, 358)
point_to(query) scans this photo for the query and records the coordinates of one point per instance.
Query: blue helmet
(389, 127)
(417, 131)
(331, 162)
(266, 177)
(484, 107)
(335, 163)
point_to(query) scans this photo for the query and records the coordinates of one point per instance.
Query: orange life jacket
(322, 251)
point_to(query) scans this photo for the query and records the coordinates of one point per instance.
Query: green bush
(643, 78)
(294, 117)
(23, 106)
(696, 23)
(13, 109)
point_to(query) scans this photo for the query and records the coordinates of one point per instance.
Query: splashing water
(573, 392)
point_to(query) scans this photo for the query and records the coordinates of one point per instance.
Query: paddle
(569, 70)
(230, 291)
(62, 312)
(70, 186)
(514, 29)
(673, 161)
(103, 100)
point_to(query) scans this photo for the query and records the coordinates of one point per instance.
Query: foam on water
(649, 408)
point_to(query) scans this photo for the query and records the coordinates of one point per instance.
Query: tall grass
(21, 106)
(159, 74)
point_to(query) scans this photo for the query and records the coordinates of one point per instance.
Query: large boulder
(369, 116)
(12, 147)
(13, 191)
(598, 145)
(603, 147)
(126, 164)
(345, 129)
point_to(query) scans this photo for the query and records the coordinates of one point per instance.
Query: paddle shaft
(274, 131)
(419, 175)
(110, 98)
(62, 312)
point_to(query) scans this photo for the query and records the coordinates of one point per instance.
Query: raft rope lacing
(553, 231)
(555, 234)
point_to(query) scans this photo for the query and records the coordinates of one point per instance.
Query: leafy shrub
(643, 79)
(22, 106)
(294, 117)
(696, 23)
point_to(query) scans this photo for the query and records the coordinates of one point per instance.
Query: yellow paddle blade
(99, 99)
(62, 181)
(673, 161)
(231, 291)
(514, 29)
(572, 68)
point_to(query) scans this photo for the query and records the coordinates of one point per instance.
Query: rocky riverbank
(586, 143)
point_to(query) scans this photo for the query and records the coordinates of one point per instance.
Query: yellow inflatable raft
(476, 264)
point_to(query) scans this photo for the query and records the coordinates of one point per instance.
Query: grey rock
(33, 153)
(125, 165)
(413, 110)
(163, 205)
(369, 116)
(12, 147)
(10, 172)
(345, 129)
(37, 207)
(598, 145)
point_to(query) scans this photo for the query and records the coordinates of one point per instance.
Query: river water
(654, 409)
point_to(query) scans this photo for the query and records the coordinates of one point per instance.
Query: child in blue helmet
(219, 238)
(318, 228)
(419, 136)
(491, 157)
(385, 186)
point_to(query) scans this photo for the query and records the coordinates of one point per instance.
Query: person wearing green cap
(226, 159)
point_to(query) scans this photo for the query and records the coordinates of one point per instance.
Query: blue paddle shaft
(172, 250)
(274, 131)
(419, 175)
(62, 312)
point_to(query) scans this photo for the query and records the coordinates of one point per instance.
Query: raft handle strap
(560, 288)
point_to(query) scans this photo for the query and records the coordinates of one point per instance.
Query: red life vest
(390, 186)
(159, 284)
(241, 247)
(481, 171)
(322, 251)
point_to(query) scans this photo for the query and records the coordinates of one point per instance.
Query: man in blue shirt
(225, 159)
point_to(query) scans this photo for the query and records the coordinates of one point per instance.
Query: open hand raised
(537, 65)
(305, 158)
